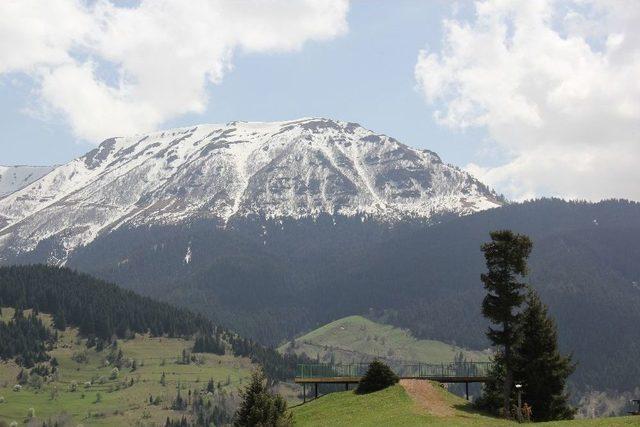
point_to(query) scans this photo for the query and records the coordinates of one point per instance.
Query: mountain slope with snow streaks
(295, 169)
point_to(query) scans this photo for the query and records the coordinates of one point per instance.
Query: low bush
(378, 377)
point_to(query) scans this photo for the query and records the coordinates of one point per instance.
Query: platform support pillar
(466, 388)
(304, 392)
(346, 386)
(316, 384)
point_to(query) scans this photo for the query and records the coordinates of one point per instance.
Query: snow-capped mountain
(294, 169)
(13, 178)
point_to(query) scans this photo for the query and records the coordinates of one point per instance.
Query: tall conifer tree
(506, 258)
(540, 366)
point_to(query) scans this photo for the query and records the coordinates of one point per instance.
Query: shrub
(53, 393)
(80, 356)
(73, 386)
(31, 413)
(17, 387)
(1, 399)
(35, 381)
(378, 377)
(114, 373)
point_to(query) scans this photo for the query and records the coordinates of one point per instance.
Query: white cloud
(557, 87)
(119, 70)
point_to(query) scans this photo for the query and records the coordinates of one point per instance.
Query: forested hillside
(272, 280)
(95, 307)
(103, 312)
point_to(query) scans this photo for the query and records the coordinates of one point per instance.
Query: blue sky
(365, 76)
(533, 97)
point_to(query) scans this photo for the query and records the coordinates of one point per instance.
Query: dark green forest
(97, 308)
(25, 339)
(272, 280)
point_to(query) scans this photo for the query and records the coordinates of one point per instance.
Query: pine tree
(506, 258)
(259, 407)
(540, 366)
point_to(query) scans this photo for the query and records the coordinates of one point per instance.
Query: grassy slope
(127, 405)
(394, 407)
(355, 338)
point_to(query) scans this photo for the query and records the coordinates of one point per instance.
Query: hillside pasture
(102, 398)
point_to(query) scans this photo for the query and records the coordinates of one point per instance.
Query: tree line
(103, 311)
(95, 307)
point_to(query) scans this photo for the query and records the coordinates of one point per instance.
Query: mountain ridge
(299, 168)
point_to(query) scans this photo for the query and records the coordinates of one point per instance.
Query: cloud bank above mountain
(555, 84)
(111, 70)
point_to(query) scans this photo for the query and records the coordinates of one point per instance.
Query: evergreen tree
(378, 377)
(179, 404)
(59, 321)
(261, 408)
(506, 258)
(540, 366)
(492, 391)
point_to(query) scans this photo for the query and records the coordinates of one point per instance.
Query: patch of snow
(187, 256)
(14, 178)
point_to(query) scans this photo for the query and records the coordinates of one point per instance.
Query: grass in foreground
(395, 407)
(392, 407)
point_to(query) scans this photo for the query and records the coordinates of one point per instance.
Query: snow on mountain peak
(299, 168)
(13, 178)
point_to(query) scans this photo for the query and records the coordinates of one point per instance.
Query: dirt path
(427, 397)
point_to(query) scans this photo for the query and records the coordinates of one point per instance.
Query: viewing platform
(453, 372)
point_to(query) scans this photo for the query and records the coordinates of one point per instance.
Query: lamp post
(519, 389)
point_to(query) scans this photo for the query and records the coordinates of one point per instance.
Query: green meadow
(86, 390)
(395, 407)
(356, 338)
